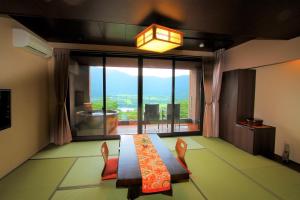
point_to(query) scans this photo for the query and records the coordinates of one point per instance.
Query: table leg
(168, 193)
(133, 192)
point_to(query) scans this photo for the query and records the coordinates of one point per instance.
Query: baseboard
(291, 164)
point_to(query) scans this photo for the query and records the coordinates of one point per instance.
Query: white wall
(26, 75)
(261, 52)
(277, 101)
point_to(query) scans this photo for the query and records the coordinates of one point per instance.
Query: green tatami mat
(170, 142)
(107, 190)
(233, 155)
(86, 171)
(78, 149)
(281, 180)
(36, 179)
(218, 180)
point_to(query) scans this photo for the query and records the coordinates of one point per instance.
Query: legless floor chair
(181, 147)
(110, 168)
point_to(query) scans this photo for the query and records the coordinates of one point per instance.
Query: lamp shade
(159, 39)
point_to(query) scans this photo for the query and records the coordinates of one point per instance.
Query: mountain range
(120, 83)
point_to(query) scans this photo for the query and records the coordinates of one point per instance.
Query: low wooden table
(129, 175)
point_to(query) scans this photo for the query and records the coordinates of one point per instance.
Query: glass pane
(157, 96)
(86, 96)
(187, 96)
(121, 95)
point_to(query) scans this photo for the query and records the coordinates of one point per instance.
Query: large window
(114, 95)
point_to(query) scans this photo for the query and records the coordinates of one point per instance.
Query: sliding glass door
(121, 95)
(157, 96)
(111, 95)
(188, 77)
(86, 96)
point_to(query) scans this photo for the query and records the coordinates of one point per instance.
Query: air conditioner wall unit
(24, 39)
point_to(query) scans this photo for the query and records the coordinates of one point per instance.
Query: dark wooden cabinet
(256, 140)
(228, 108)
(236, 100)
(237, 104)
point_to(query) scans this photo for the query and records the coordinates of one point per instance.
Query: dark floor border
(114, 137)
(290, 164)
(198, 188)
(178, 134)
(75, 187)
(95, 138)
(92, 156)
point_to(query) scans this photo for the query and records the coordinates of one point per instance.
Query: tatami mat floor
(219, 171)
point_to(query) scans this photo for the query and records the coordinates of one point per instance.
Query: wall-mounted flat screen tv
(5, 109)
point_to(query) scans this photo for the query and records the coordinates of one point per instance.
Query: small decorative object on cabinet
(254, 121)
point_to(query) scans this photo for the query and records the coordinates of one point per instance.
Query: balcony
(121, 117)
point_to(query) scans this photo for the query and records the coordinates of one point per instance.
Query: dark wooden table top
(129, 170)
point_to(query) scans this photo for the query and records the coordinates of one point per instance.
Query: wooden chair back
(181, 148)
(104, 151)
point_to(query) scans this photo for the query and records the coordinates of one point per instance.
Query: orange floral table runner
(155, 174)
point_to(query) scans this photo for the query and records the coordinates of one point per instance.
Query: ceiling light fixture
(159, 39)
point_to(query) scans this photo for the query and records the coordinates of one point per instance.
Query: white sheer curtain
(212, 76)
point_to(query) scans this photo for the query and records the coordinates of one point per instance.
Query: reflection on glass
(86, 100)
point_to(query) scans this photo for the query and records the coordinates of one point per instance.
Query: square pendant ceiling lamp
(159, 39)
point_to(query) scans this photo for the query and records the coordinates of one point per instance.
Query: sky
(163, 73)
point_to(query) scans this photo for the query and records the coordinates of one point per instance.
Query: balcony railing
(127, 105)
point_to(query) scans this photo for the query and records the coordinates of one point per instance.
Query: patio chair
(176, 114)
(151, 114)
(110, 169)
(181, 147)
